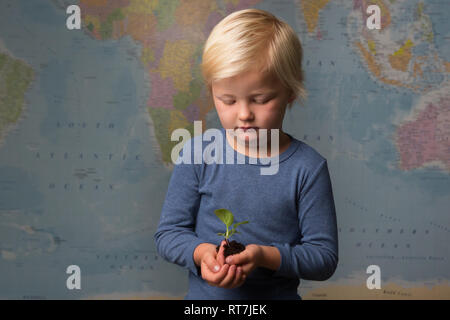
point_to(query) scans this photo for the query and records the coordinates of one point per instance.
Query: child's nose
(245, 112)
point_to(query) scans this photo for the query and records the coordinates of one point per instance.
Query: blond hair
(254, 39)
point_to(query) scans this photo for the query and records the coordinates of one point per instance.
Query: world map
(85, 151)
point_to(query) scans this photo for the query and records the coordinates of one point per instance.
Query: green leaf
(225, 215)
(239, 223)
(221, 234)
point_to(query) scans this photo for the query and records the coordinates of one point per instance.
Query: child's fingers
(239, 279)
(243, 261)
(211, 263)
(214, 278)
(229, 278)
(220, 256)
(247, 268)
(240, 258)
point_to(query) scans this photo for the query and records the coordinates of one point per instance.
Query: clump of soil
(234, 248)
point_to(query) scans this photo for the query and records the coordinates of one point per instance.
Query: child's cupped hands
(216, 272)
(232, 271)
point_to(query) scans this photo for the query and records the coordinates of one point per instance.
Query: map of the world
(85, 151)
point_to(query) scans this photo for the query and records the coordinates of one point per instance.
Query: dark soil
(234, 248)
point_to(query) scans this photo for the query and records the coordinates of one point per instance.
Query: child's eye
(261, 101)
(228, 102)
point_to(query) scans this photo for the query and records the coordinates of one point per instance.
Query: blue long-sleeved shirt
(292, 210)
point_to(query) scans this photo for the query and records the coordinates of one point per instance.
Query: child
(252, 68)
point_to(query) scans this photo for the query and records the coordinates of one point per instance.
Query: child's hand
(217, 273)
(248, 260)
(234, 276)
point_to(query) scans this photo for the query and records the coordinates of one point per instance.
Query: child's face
(251, 99)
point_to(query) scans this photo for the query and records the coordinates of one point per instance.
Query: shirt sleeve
(316, 257)
(175, 236)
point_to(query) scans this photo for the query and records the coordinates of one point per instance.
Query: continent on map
(171, 35)
(15, 79)
(310, 10)
(400, 59)
(409, 64)
(425, 139)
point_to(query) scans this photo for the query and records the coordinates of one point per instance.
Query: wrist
(200, 251)
(269, 257)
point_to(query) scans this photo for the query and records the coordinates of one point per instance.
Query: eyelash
(257, 102)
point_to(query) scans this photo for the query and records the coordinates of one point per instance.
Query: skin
(251, 99)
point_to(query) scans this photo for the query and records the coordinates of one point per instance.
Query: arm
(316, 257)
(175, 237)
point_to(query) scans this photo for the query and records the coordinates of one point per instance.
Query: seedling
(227, 217)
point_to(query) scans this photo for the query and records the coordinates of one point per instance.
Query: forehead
(247, 82)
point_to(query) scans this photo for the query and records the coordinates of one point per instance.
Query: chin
(246, 138)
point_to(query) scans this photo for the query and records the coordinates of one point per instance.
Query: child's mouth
(248, 128)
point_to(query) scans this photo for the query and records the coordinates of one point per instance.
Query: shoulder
(307, 165)
(307, 157)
